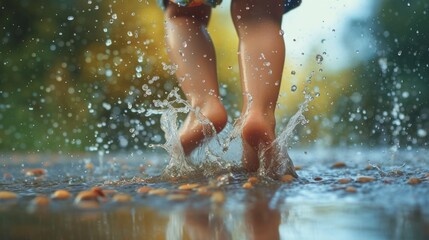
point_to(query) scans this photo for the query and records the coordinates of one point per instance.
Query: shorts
(288, 5)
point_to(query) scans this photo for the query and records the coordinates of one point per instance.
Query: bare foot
(191, 132)
(258, 135)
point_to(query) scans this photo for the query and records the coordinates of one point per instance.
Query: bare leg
(261, 58)
(191, 48)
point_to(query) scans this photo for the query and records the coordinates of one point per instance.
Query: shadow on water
(315, 206)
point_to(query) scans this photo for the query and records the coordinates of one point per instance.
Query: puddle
(314, 206)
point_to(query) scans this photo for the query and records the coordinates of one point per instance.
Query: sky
(321, 25)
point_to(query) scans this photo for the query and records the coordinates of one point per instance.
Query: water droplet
(130, 33)
(357, 51)
(293, 72)
(184, 44)
(114, 16)
(267, 64)
(70, 18)
(399, 53)
(238, 17)
(319, 59)
(229, 67)
(108, 42)
(281, 32)
(293, 88)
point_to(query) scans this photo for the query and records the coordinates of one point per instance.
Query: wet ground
(340, 194)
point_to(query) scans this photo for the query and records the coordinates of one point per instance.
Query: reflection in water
(245, 215)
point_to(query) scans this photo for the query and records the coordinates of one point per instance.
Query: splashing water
(210, 158)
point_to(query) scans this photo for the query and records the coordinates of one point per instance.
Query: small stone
(247, 185)
(344, 180)
(365, 179)
(317, 179)
(89, 166)
(98, 191)
(287, 178)
(218, 197)
(297, 168)
(339, 165)
(188, 186)
(351, 189)
(5, 195)
(414, 181)
(369, 167)
(40, 201)
(122, 198)
(253, 180)
(144, 189)
(158, 191)
(177, 197)
(87, 196)
(36, 172)
(61, 195)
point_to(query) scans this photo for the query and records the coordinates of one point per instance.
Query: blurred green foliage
(79, 75)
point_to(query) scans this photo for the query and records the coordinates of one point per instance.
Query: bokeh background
(81, 75)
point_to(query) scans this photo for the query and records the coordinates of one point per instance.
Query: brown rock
(144, 189)
(5, 195)
(317, 179)
(287, 178)
(247, 185)
(365, 179)
(339, 165)
(414, 181)
(253, 180)
(36, 172)
(61, 195)
(88, 196)
(351, 189)
(40, 201)
(344, 180)
(158, 191)
(189, 186)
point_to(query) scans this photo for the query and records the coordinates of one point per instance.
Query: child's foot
(258, 135)
(191, 132)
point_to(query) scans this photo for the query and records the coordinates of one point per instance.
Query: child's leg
(261, 58)
(191, 48)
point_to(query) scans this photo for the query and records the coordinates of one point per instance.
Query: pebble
(414, 181)
(426, 175)
(218, 197)
(144, 189)
(317, 179)
(89, 166)
(158, 191)
(287, 178)
(351, 189)
(344, 180)
(189, 186)
(36, 172)
(253, 180)
(61, 195)
(87, 196)
(297, 168)
(177, 197)
(98, 191)
(122, 198)
(365, 179)
(339, 165)
(247, 185)
(5, 195)
(40, 201)
(369, 167)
